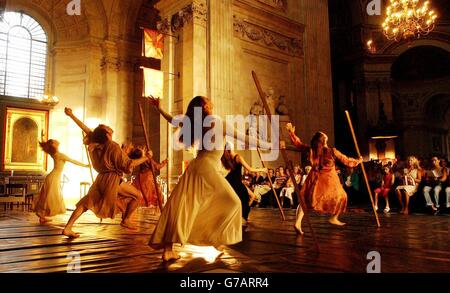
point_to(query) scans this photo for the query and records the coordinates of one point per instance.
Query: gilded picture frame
(24, 129)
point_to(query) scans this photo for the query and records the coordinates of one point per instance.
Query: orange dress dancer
(144, 180)
(322, 191)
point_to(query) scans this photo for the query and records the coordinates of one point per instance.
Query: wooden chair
(15, 193)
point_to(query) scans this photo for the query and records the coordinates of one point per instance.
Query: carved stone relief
(267, 38)
(277, 4)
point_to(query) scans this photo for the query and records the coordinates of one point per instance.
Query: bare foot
(406, 212)
(298, 230)
(335, 221)
(169, 255)
(69, 233)
(220, 248)
(44, 220)
(129, 226)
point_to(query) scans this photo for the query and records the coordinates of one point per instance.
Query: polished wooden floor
(414, 243)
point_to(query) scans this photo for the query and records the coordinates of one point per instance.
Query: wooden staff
(147, 141)
(362, 167)
(283, 218)
(287, 162)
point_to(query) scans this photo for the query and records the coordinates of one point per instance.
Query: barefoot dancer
(50, 201)
(203, 209)
(107, 194)
(322, 190)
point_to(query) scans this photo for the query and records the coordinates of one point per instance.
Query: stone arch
(395, 48)
(421, 63)
(421, 97)
(54, 18)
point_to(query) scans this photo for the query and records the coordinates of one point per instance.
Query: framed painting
(24, 128)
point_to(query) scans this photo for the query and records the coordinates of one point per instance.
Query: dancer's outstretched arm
(295, 139)
(350, 162)
(83, 126)
(157, 103)
(75, 162)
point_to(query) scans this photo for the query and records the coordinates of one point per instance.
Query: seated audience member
(386, 184)
(351, 185)
(263, 190)
(434, 180)
(411, 178)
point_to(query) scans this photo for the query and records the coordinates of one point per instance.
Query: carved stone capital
(196, 11)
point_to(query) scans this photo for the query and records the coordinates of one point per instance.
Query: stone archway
(421, 91)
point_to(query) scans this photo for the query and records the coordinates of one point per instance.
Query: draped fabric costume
(322, 190)
(50, 201)
(110, 162)
(203, 208)
(145, 183)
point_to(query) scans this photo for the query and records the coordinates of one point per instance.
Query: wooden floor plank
(415, 243)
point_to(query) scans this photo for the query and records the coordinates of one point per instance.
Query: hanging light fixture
(408, 19)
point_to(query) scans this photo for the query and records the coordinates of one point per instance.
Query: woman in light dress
(411, 179)
(203, 208)
(50, 201)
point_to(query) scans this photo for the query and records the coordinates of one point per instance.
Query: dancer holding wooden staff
(152, 170)
(362, 167)
(291, 171)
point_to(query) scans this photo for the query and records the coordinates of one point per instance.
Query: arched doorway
(421, 91)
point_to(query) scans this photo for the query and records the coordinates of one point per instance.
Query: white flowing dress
(203, 208)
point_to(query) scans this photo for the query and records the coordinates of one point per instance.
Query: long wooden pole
(362, 166)
(283, 218)
(287, 162)
(147, 141)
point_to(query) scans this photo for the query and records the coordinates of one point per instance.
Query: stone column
(221, 54)
(317, 69)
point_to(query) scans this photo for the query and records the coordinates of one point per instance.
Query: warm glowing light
(208, 253)
(371, 47)
(409, 19)
(153, 83)
(384, 137)
(47, 99)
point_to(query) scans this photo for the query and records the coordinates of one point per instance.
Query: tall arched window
(23, 56)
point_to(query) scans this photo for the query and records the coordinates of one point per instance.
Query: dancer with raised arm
(322, 190)
(108, 194)
(203, 208)
(50, 201)
(233, 163)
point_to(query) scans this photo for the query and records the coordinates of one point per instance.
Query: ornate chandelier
(407, 19)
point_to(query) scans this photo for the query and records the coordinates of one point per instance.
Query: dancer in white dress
(203, 208)
(50, 201)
